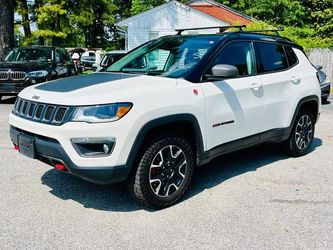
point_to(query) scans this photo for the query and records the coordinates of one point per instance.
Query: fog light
(106, 148)
(94, 147)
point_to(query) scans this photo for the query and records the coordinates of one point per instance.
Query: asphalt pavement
(255, 199)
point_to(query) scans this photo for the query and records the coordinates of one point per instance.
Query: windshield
(29, 54)
(168, 56)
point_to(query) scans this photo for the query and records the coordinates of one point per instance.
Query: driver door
(235, 106)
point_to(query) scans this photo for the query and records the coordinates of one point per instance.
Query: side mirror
(224, 71)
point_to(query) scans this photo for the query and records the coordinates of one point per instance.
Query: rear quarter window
(293, 60)
(270, 57)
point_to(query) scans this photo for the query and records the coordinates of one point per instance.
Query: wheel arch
(308, 102)
(186, 124)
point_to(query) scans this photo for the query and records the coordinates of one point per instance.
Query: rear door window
(270, 57)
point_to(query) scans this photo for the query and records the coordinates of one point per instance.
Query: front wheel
(302, 134)
(164, 172)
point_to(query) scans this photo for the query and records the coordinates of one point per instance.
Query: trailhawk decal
(79, 82)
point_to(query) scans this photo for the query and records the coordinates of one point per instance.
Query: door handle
(256, 86)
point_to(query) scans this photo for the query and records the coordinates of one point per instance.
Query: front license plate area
(27, 146)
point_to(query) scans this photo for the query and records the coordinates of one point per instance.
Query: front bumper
(56, 142)
(50, 151)
(13, 88)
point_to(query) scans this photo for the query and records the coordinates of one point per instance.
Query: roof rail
(221, 28)
(276, 31)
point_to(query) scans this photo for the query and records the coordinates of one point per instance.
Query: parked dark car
(325, 85)
(26, 66)
(110, 58)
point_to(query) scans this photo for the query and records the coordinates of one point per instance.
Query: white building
(164, 19)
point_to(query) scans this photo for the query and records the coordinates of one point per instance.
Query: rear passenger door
(234, 106)
(275, 66)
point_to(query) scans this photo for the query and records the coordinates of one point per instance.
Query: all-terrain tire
(301, 136)
(141, 184)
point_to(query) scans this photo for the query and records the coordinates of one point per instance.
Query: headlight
(101, 113)
(39, 73)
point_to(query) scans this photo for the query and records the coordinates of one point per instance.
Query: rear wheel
(164, 172)
(302, 134)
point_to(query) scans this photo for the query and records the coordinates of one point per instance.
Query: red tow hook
(60, 167)
(16, 148)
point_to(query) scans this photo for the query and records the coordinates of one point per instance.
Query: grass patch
(87, 72)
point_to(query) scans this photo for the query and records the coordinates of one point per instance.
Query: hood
(97, 88)
(24, 66)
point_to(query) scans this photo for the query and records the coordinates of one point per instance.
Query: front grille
(60, 114)
(41, 112)
(13, 75)
(24, 108)
(4, 75)
(31, 109)
(49, 112)
(17, 75)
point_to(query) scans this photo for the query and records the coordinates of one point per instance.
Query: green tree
(95, 19)
(321, 16)
(51, 16)
(6, 26)
(284, 12)
(139, 6)
(23, 10)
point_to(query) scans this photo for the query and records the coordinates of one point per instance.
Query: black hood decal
(79, 82)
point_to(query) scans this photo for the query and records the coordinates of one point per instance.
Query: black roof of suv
(226, 37)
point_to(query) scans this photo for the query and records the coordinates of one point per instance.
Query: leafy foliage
(306, 37)
(91, 23)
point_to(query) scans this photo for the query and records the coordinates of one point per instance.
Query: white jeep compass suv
(169, 106)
